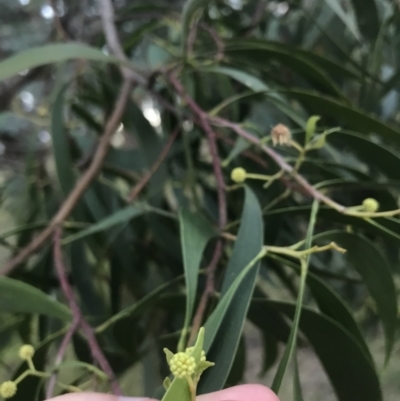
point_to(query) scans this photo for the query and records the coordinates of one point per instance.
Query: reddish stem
(212, 142)
(60, 356)
(146, 178)
(87, 329)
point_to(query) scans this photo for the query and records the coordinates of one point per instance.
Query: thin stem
(278, 159)
(81, 186)
(212, 141)
(87, 329)
(60, 356)
(291, 344)
(207, 293)
(113, 42)
(161, 157)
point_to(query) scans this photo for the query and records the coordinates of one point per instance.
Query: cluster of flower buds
(9, 388)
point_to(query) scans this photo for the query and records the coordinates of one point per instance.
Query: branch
(207, 293)
(146, 178)
(222, 210)
(87, 329)
(113, 42)
(203, 121)
(218, 41)
(81, 185)
(279, 160)
(60, 355)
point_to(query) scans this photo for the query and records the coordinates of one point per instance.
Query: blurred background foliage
(255, 62)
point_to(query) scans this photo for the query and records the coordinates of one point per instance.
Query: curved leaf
(351, 116)
(17, 296)
(263, 53)
(224, 326)
(329, 65)
(374, 269)
(48, 54)
(195, 234)
(376, 155)
(121, 216)
(349, 370)
(331, 304)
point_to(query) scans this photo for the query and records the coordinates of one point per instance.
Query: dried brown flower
(281, 135)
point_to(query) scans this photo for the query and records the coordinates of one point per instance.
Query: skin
(246, 392)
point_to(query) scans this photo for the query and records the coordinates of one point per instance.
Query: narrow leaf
(311, 127)
(17, 296)
(119, 217)
(331, 304)
(350, 372)
(373, 267)
(226, 342)
(291, 345)
(297, 392)
(48, 54)
(195, 233)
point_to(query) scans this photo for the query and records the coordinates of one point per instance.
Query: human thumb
(245, 392)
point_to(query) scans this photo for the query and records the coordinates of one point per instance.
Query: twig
(113, 42)
(257, 17)
(246, 153)
(81, 185)
(207, 293)
(62, 33)
(222, 212)
(279, 160)
(60, 356)
(218, 41)
(192, 37)
(146, 178)
(87, 329)
(205, 125)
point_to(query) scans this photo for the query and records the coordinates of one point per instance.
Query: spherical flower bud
(281, 135)
(203, 354)
(8, 389)
(238, 174)
(26, 352)
(182, 365)
(370, 205)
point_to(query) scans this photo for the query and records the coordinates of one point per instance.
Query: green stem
(291, 345)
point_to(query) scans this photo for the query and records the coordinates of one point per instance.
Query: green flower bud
(8, 389)
(26, 352)
(370, 205)
(182, 365)
(238, 174)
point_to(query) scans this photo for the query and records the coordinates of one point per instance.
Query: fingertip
(96, 397)
(244, 392)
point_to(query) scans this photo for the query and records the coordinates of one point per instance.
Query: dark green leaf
(195, 233)
(367, 17)
(349, 370)
(373, 268)
(350, 116)
(61, 148)
(331, 304)
(330, 66)
(119, 217)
